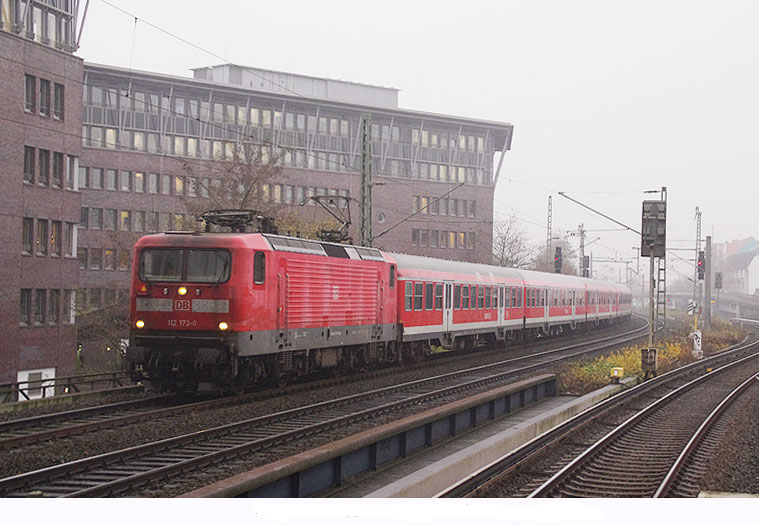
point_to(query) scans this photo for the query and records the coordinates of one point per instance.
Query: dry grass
(581, 378)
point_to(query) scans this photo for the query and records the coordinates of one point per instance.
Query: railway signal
(557, 260)
(701, 265)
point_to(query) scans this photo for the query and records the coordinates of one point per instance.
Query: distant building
(741, 267)
(140, 128)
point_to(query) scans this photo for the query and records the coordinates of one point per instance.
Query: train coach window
(457, 297)
(487, 297)
(259, 267)
(500, 296)
(519, 297)
(438, 296)
(429, 296)
(465, 298)
(507, 297)
(392, 276)
(418, 295)
(160, 264)
(473, 297)
(494, 292)
(409, 296)
(208, 266)
(480, 297)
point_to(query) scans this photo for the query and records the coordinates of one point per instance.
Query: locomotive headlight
(223, 326)
(182, 290)
(140, 323)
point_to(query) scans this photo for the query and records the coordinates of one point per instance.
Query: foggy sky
(607, 98)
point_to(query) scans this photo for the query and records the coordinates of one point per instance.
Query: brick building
(40, 146)
(93, 156)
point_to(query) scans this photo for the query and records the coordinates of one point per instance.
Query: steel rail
(701, 432)
(563, 475)
(509, 462)
(203, 453)
(23, 438)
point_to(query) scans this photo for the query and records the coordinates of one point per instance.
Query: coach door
(501, 306)
(448, 306)
(282, 283)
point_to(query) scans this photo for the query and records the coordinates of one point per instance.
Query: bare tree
(241, 179)
(510, 246)
(542, 263)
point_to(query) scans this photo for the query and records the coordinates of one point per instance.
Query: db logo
(182, 305)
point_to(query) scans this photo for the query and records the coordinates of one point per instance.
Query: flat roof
(502, 131)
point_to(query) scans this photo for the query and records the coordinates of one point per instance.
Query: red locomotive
(214, 311)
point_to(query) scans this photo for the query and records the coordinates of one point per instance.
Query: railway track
(28, 431)
(121, 471)
(662, 449)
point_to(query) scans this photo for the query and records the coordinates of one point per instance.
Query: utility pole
(365, 223)
(637, 273)
(582, 265)
(548, 235)
(652, 245)
(708, 287)
(696, 291)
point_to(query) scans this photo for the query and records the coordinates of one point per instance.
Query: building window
(139, 182)
(96, 295)
(96, 218)
(44, 165)
(110, 179)
(152, 221)
(66, 307)
(57, 169)
(54, 307)
(125, 259)
(124, 181)
(44, 97)
(96, 258)
(39, 306)
(81, 254)
(152, 183)
(28, 164)
(109, 259)
(470, 241)
(110, 220)
(55, 238)
(84, 175)
(30, 93)
(71, 170)
(27, 236)
(58, 101)
(41, 236)
(138, 221)
(166, 184)
(26, 307)
(96, 182)
(125, 221)
(414, 236)
(69, 248)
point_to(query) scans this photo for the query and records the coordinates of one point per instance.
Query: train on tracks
(225, 311)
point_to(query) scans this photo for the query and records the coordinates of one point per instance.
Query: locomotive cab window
(208, 266)
(259, 267)
(160, 264)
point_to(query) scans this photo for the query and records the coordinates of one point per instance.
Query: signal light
(182, 290)
(140, 323)
(223, 326)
